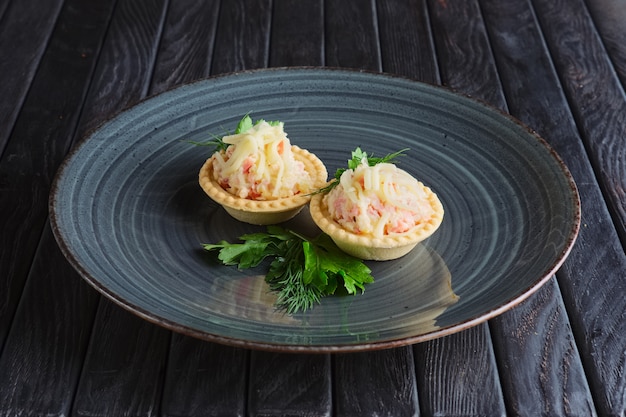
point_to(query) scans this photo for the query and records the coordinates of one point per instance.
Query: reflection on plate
(128, 213)
(419, 285)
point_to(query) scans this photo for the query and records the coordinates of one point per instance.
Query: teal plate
(129, 215)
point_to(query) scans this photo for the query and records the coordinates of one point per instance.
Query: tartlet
(385, 240)
(265, 205)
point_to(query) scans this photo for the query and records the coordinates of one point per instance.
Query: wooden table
(66, 66)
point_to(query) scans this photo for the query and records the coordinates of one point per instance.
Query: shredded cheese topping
(259, 165)
(378, 200)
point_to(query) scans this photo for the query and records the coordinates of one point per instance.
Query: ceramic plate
(128, 213)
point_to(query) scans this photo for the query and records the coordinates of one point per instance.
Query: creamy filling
(259, 164)
(379, 200)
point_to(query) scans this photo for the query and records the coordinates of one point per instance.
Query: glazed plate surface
(129, 215)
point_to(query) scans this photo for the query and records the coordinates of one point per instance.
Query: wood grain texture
(457, 375)
(242, 39)
(39, 141)
(406, 43)
(609, 17)
(43, 355)
(125, 67)
(379, 383)
(186, 46)
(297, 33)
(597, 97)
(124, 367)
(462, 44)
(283, 384)
(21, 51)
(553, 383)
(352, 34)
(205, 379)
(591, 279)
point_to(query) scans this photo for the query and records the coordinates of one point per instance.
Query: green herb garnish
(302, 270)
(244, 125)
(357, 156)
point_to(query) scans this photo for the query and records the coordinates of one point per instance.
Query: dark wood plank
(44, 351)
(124, 368)
(462, 44)
(202, 378)
(406, 43)
(379, 383)
(520, 373)
(39, 141)
(242, 39)
(555, 375)
(21, 51)
(597, 97)
(186, 46)
(609, 17)
(205, 379)
(352, 34)
(297, 33)
(289, 385)
(590, 280)
(125, 68)
(457, 376)
(125, 364)
(43, 355)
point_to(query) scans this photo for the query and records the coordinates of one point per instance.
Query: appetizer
(374, 210)
(258, 176)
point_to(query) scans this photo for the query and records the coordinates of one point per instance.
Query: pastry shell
(367, 247)
(264, 212)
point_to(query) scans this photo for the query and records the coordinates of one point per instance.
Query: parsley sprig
(244, 125)
(357, 156)
(302, 270)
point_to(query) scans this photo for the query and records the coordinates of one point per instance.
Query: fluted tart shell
(368, 247)
(264, 212)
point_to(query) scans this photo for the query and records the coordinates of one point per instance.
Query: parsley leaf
(244, 124)
(339, 268)
(302, 270)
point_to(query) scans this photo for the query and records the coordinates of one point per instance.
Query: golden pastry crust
(264, 212)
(368, 247)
